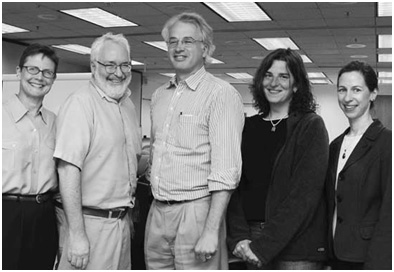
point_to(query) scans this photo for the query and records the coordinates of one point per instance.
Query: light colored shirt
(196, 138)
(103, 139)
(28, 164)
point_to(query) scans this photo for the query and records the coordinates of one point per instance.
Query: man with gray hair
(195, 160)
(98, 145)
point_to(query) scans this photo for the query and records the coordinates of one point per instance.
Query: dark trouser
(337, 264)
(30, 239)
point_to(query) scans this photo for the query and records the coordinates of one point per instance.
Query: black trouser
(30, 238)
(337, 264)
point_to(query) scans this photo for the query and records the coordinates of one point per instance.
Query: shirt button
(171, 109)
(167, 125)
(34, 130)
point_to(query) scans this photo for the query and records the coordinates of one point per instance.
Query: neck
(32, 104)
(359, 126)
(278, 112)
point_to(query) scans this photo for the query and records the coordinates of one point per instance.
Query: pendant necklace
(273, 129)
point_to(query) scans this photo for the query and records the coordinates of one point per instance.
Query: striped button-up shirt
(195, 138)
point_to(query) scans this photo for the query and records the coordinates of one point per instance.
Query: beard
(115, 91)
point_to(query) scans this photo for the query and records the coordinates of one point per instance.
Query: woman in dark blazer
(359, 177)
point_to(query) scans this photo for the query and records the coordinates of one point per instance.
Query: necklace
(273, 129)
(349, 143)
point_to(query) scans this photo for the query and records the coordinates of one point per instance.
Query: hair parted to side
(366, 70)
(200, 23)
(99, 42)
(35, 49)
(302, 100)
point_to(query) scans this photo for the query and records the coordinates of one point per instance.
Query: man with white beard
(98, 144)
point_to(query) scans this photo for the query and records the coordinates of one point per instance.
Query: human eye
(173, 42)
(188, 41)
(284, 76)
(267, 75)
(33, 69)
(357, 90)
(48, 73)
(341, 90)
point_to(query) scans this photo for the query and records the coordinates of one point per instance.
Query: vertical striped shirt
(196, 138)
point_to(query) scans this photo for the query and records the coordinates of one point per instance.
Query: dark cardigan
(364, 197)
(296, 219)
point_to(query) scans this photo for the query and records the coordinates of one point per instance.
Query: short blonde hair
(99, 42)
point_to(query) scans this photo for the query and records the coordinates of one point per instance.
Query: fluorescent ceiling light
(305, 59)
(240, 75)
(160, 45)
(385, 41)
(355, 45)
(12, 29)
(385, 81)
(385, 9)
(214, 61)
(239, 11)
(385, 74)
(359, 56)
(99, 17)
(275, 43)
(133, 62)
(316, 75)
(83, 50)
(385, 57)
(320, 81)
(168, 74)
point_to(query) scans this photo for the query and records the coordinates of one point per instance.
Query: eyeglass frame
(191, 39)
(45, 71)
(108, 66)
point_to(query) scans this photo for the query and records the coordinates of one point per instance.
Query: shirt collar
(18, 110)
(192, 81)
(104, 95)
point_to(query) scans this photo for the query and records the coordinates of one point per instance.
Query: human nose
(118, 71)
(274, 81)
(348, 96)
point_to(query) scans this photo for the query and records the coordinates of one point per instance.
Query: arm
(379, 255)
(70, 189)
(294, 214)
(208, 242)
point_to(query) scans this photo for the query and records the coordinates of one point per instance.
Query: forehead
(112, 51)
(183, 29)
(279, 66)
(39, 60)
(353, 77)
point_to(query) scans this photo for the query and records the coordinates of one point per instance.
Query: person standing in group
(359, 178)
(98, 144)
(195, 160)
(277, 216)
(29, 173)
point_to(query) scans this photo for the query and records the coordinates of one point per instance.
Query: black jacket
(296, 219)
(364, 211)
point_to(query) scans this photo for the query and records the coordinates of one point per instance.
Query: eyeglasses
(186, 42)
(34, 70)
(111, 68)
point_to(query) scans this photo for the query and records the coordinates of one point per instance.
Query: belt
(40, 198)
(172, 202)
(117, 213)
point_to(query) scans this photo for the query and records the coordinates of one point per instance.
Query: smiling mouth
(179, 58)
(349, 107)
(37, 85)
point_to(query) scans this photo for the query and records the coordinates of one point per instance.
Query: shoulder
(49, 114)
(219, 86)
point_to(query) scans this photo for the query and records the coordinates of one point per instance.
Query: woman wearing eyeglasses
(359, 177)
(277, 215)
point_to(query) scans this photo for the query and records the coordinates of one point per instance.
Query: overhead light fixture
(385, 41)
(385, 74)
(305, 59)
(359, 56)
(316, 75)
(133, 62)
(76, 48)
(275, 43)
(385, 81)
(168, 74)
(385, 9)
(12, 29)
(355, 45)
(244, 76)
(99, 17)
(385, 58)
(321, 81)
(214, 61)
(239, 11)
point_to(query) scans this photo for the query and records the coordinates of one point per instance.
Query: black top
(260, 147)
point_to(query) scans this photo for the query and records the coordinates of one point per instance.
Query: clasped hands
(242, 250)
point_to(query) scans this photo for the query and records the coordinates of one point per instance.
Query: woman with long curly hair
(277, 216)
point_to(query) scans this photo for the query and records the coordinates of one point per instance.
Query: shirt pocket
(8, 158)
(190, 132)
(16, 155)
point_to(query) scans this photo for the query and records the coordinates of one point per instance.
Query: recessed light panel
(385, 57)
(316, 75)
(239, 11)
(275, 43)
(385, 81)
(320, 81)
(305, 59)
(385, 9)
(385, 74)
(133, 62)
(12, 29)
(83, 50)
(99, 17)
(168, 74)
(159, 45)
(240, 75)
(385, 41)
